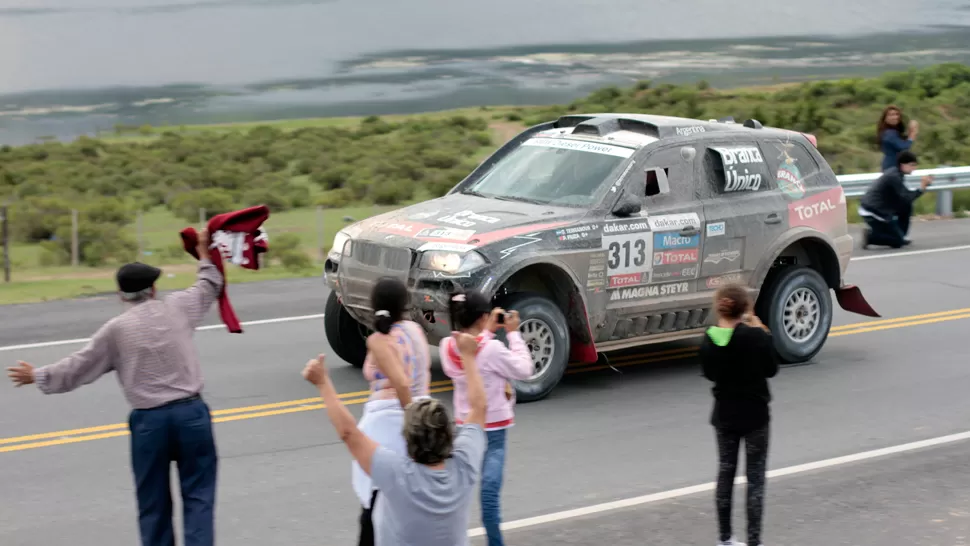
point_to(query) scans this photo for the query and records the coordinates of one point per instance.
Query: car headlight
(339, 240)
(451, 262)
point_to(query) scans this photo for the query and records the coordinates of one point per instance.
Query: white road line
(705, 487)
(199, 329)
(320, 316)
(910, 253)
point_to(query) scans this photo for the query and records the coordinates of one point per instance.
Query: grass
(161, 246)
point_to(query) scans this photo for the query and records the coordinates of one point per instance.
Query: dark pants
(367, 523)
(889, 233)
(756, 460)
(181, 432)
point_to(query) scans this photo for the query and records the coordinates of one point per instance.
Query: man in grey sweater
(150, 347)
(425, 495)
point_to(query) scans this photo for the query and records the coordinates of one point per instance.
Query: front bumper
(353, 278)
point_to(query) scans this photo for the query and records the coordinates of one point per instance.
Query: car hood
(462, 222)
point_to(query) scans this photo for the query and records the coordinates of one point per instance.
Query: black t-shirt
(740, 371)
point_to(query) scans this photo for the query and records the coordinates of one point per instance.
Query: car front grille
(359, 272)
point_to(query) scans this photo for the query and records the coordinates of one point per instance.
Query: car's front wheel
(347, 337)
(796, 305)
(545, 331)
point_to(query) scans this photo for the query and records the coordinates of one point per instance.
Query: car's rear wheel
(347, 337)
(796, 305)
(544, 329)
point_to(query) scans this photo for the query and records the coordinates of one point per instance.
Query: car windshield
(552, 171)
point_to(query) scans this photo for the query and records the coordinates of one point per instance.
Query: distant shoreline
(412, 82)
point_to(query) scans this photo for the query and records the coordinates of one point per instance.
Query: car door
(652, 257)
(744, 208)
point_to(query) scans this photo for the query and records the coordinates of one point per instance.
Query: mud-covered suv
(611, 231)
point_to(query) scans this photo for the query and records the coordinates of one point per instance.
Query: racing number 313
(621, 251)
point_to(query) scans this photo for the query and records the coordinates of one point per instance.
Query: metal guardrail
(946, 179)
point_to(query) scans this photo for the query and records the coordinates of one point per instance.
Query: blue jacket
(892, 144)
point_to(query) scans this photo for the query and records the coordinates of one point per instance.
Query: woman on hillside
(472, 314)
(892, 136)
(737, 355)
(398, 367)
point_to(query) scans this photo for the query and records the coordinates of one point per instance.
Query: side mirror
(628, 205)
(657, 182)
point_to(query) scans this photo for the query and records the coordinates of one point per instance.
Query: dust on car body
(610, 231)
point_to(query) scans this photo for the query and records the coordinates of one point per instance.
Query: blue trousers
(179, 432)
(493, 470)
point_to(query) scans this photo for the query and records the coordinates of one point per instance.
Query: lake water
(71, 67)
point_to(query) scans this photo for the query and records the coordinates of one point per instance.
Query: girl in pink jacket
(472, 314)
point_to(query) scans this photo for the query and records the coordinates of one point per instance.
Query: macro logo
(675, 240)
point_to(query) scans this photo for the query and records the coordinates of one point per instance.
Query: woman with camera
(738, 356)
(472, 314)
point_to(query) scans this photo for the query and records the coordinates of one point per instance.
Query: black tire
(346, 336)
(779, 288)
(542, 312)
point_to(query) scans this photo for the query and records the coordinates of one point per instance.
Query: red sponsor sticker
(630, 279)
(822, 211)
(717, 282)
(685, 256)
(407, 229)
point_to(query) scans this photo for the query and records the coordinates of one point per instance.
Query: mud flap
(851, 299)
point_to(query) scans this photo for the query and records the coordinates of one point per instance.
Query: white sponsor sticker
(650, 291)
(628, 246)
(718, 257)
(446, 247)
(716, 229)
(467, 219)
(671, 222)
(693, 129)
(580, 145)
(450, 234)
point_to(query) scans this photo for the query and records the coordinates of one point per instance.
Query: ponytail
(389, 300)
(383, 321)
(464, 310)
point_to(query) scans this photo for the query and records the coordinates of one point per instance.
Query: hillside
(171, 173)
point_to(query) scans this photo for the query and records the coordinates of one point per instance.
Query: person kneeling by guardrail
(887, 205)
(425, 495)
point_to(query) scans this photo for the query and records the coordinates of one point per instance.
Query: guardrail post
(944, 203)
(944, 199)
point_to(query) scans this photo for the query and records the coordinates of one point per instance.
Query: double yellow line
(34, 441)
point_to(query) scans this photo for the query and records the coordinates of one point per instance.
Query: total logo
(675, 257)
(821, 211)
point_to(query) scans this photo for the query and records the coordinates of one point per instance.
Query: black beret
(137, 276)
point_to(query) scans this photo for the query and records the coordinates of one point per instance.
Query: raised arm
(514, 362)
(85, 366)
(895, 141)
(388, 361)
(195, 301)
(361, 447)
(467, 347)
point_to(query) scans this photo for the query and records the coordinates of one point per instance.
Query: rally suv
(611, 231)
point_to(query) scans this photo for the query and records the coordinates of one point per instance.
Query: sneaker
(907, 242)
(730, 542)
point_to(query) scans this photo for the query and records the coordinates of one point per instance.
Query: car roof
(661, 127)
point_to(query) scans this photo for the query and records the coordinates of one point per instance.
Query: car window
(553, 171)
(793, 166)
(738, 168)
(678, 164)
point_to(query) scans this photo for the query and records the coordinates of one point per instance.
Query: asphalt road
(601, 436)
